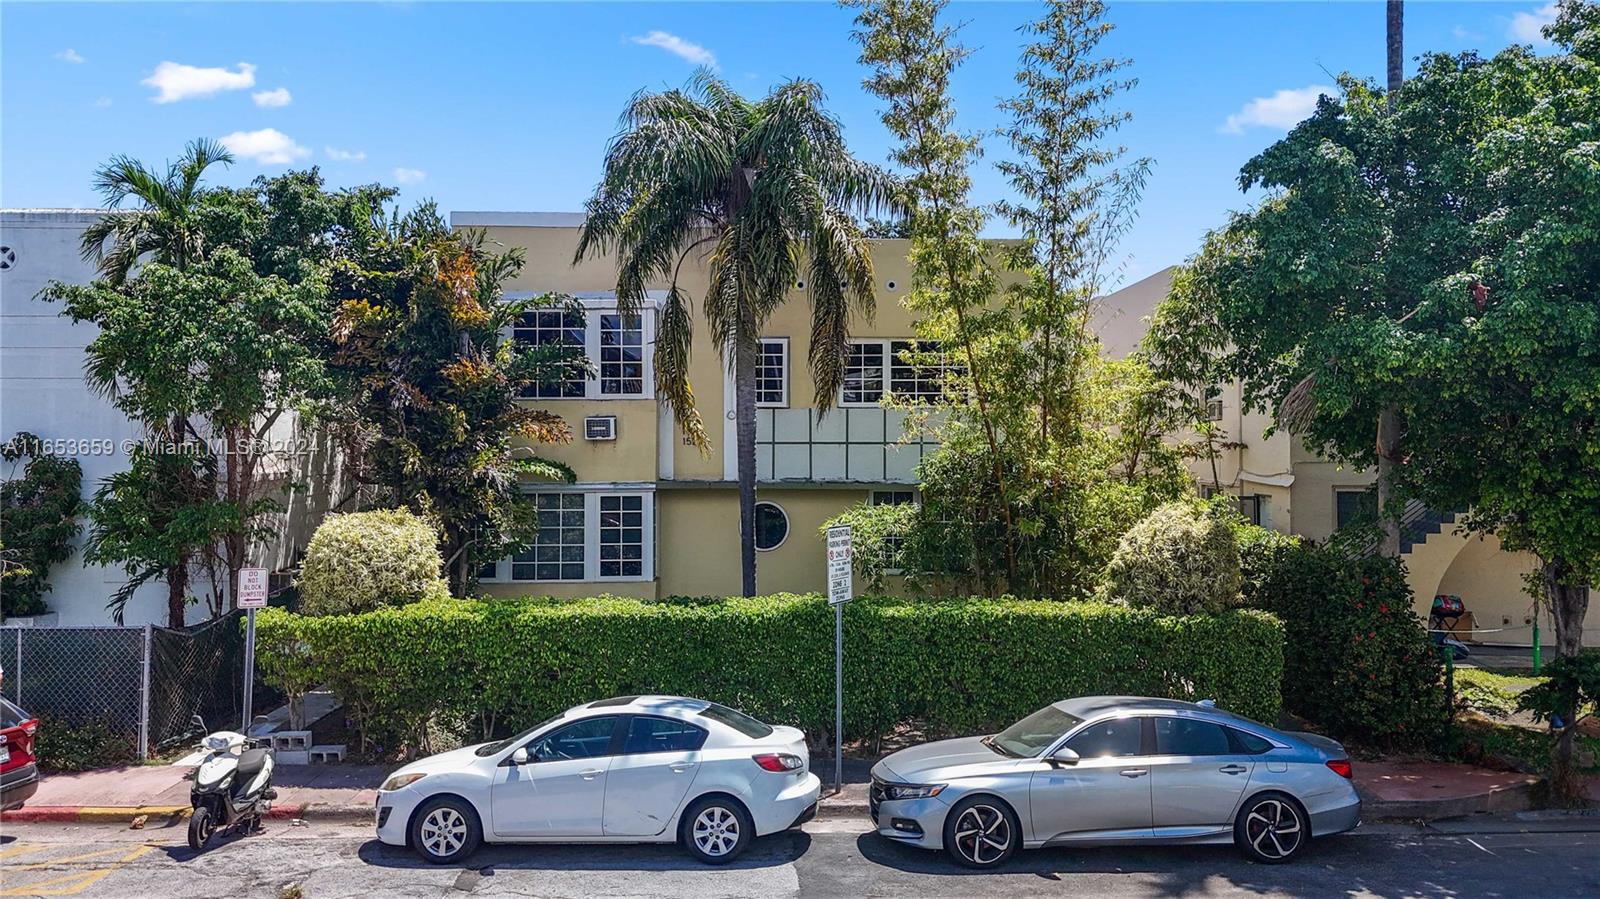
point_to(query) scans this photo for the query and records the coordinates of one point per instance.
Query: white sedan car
(633, 769)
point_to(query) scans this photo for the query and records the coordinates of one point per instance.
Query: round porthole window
(799, 285)
(891, 285)
(772, 526)
(8, 258)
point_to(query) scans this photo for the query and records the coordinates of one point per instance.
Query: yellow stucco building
(1283, 485)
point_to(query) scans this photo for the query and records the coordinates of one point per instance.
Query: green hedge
(956, 666)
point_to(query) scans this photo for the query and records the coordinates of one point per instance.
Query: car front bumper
(915, 822)
(18, 786)
(392, 814)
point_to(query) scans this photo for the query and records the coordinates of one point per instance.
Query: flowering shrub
(359, 561)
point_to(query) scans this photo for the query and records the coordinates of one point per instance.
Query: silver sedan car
(1117, 769)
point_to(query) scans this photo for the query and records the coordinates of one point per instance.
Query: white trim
(596, 304)
(883, 384)
(666, 442)
(476, 219)
(591, 534)
(730, 427)
(788, 526)
(783, 403)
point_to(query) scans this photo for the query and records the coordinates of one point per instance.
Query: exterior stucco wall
(698, 540)
(1315, 485)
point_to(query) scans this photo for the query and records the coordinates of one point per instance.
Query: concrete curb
(1502, 800)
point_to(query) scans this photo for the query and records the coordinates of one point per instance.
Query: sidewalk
(1419, 790)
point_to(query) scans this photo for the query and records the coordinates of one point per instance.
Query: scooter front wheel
(201, 827)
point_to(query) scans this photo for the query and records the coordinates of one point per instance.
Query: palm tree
(166, 227)
(765, 191)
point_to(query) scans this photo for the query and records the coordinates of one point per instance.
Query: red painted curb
(40, 814)
(282, 812)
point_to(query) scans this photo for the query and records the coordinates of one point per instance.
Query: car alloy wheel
(983, 835)
(1273, 829)
(443, 831)
(715, 831)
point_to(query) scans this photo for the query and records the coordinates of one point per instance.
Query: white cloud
(338, 155)
(273, 98)
(269, 146)
(409, 176)
(677, 46)
(69, 55)
(103, 102)
(1283, 110)
(1463, 33)
(1525, 26)
(175, 81)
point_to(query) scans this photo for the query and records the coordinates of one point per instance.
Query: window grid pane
(911, 381)
(771, 379)
(622, 536)
(863, 373)
(558, 549)
(621, 355)
(552, 328)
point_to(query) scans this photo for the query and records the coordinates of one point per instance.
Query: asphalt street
(831, 858)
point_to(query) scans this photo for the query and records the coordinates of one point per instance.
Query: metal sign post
(252, 595)
(840, 589)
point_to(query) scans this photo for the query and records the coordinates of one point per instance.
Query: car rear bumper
(790, 805)
(1337, 819)
(18, 786)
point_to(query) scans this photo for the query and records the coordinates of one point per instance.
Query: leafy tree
(39, 518)
(1048, 451)
(1570, 692)
(1437, 255)
(166, 227)
(767, 192)
(430, 389)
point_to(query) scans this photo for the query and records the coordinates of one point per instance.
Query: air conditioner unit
(1214, 410)
(600, 427)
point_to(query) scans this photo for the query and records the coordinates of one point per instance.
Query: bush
(1180, 560)
(1357, 659)
(60, 747)
(954, 666)
(38, 520)
(359, 561)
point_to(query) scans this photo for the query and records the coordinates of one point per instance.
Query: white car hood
(454, 760)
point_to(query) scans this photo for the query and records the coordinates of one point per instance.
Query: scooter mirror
(198, 722)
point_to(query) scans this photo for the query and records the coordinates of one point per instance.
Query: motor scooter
(232, 786)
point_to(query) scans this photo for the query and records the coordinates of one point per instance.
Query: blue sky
(510, 105)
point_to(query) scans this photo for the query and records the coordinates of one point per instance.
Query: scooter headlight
(400, 780)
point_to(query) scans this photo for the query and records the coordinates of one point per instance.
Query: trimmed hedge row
(957, 666)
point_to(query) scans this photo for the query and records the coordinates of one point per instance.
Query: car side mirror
(520, 757)
(1063, 756)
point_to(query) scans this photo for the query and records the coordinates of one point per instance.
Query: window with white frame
(553, 328)
(912, 370)
(863, 374)
(621, 355)
(772, 373)
(584, 535)
(622, 536)
(893, 497)
(558, 551)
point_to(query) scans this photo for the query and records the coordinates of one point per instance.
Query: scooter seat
(251, 761)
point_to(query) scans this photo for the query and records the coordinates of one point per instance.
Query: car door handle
(1134, 772)
(1233, 769)
(592, 773)
(681, 767)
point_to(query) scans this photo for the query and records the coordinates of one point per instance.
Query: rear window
(662, 735)
(10, 715)
(1246, 743)
(737, 720)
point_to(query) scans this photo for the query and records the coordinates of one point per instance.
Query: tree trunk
(744, 402)
(1396, 28)
(1388, 450)
(177, 590)
(1569, 603)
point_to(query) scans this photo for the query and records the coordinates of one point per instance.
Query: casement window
(893, 497)
(1253, 508)
(584, 536)
(547, 327)
(876, 367)
(619, 345)
(772, 373)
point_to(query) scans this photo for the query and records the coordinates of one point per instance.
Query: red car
(19, 776)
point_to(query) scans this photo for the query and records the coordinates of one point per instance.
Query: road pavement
(1492, 857)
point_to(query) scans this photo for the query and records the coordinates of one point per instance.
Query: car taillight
(1340, 767)
(778, 762)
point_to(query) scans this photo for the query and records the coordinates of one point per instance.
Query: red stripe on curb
(40, 814)
(282, 812)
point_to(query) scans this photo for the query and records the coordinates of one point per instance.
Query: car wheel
(1271, 829)
(981, 832)
(445, 830)
(716, 830)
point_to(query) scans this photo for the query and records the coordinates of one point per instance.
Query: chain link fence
(142, 682)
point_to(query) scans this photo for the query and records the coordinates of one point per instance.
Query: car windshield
(1033, 734)
(737, 720)
(489, 749)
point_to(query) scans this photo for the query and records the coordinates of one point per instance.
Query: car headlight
(912, 791)
(398, 781)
